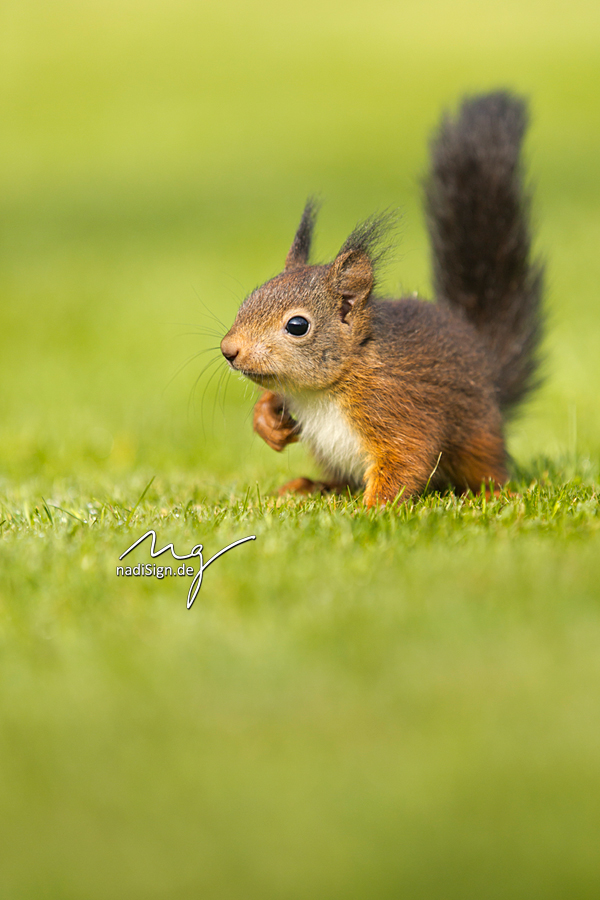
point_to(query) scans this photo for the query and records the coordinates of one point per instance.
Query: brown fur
(409, 393)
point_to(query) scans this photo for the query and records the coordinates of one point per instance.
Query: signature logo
(161, 571)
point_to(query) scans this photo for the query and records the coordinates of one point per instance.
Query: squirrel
(399, 395)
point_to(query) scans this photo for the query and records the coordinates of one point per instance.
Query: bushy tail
(478, 217)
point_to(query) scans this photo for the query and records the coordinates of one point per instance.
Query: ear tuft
(300, 249)
(374, 236)
(354, 269)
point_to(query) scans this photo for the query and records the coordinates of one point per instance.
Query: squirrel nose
(229, 349)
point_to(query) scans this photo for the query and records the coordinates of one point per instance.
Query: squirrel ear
(352, 279)
(298, 252)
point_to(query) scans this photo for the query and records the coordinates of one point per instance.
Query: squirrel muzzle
(230, 349)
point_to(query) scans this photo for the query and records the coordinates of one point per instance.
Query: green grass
(393, 703)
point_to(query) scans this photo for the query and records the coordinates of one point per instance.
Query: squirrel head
(300, 330)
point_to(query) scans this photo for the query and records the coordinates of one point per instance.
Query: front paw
(273, 422)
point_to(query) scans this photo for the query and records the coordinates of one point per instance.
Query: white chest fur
(329, 434)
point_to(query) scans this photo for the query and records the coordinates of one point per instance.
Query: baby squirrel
(398, 395)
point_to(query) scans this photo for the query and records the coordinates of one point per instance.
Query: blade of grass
(48, 513)
(140, 498)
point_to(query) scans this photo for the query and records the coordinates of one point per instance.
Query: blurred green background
(157, 157)
(360, 705)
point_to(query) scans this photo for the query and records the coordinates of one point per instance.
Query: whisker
(214, 409)
(195, 384)
(209, 311)
(237, 281)
(251, 409)
(201, 329)
(227, 383)
(187, 362)
(211, 376)
(201, 332)
(247, 416)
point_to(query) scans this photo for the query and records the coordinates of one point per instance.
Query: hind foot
(308, 486)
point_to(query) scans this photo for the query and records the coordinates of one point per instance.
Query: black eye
(297, 326)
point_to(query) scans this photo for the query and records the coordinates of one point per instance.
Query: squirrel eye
(297, 326)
